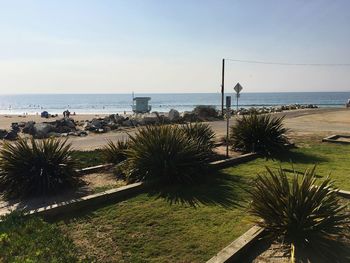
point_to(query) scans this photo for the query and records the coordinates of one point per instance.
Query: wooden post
(222, 87)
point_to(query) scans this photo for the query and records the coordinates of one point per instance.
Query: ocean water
(117, 103)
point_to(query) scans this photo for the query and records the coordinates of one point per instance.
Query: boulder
(41, 130)
(3, 133)
(128, 123)
(82, 133)
(118, 119)
(11, 135)
(15, 126)
(106, 129)
(189, 116)
(66, 122)
(97, 123)
(88, 126)
(29, 128)
(148, 120)
(173, 115)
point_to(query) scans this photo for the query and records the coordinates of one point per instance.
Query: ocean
(117, 103)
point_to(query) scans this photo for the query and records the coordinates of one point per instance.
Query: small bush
(33, 240)
(259, 133)
(115, 152)
(202, 134)
(300, 212)
(205, 111)
(163, 153)
(32, 168)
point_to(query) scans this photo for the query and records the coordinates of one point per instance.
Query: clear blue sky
(101, 46)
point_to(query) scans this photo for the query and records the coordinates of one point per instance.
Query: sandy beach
(319, 122)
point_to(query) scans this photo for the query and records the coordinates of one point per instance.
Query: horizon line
(126, 93)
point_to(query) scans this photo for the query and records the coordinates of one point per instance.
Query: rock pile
(59, 128)
(263, 110)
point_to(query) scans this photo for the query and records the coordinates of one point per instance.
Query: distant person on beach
(66, 113)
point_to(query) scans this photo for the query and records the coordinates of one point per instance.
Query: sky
(157, 46)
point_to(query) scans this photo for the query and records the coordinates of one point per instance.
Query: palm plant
(32, 168)
(259, 133)
(300, 212)
(202, 134)
(115, 152)
(163, 153)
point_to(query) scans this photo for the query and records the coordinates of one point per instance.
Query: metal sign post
(228, 115)
(238, 88)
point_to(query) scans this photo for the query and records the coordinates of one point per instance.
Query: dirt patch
(93, 183)
(221, 151)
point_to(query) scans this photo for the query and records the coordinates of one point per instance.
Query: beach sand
(307, 122)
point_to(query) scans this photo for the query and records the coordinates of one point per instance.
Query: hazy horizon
(116, 47)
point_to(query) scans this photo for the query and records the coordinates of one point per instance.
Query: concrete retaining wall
(235, 250)
(232, 161)
(89, 201)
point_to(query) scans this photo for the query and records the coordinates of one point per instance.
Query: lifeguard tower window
(141, 105)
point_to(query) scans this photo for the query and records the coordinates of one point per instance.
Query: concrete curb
(234, 250)
(333, 139)
(88, 201)
(94, 169)
(345, 194)
(234, 160)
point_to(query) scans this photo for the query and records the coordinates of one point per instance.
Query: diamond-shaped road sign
(238, 88)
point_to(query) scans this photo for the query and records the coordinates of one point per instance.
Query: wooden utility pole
(222, 87)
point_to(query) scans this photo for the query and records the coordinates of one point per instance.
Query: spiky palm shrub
(163, 153)
(33, 168)
(299, 211)
(259, 133)
(115, 152)
(202, 134)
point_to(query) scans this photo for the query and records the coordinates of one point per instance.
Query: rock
(118, 119)
(189, 116)
(53, 134)
(82, 133)
(106, 129)
(41, 130)
(3, 133)
(204, 111)
(148, 120)
(66, 122)
(97, 123)
(15, 126)
(128, 123)
(29, 128)
(113, 126)
(173, 115)
(11, 135)
(21, 124)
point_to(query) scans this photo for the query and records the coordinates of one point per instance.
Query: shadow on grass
(300, 157)
(217, 188)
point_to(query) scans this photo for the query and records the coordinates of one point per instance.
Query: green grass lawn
(188, 224)
(33, 240)
(88, 158)
(329, 158)
(173, 225)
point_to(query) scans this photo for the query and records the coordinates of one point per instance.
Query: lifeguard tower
(140, 105)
